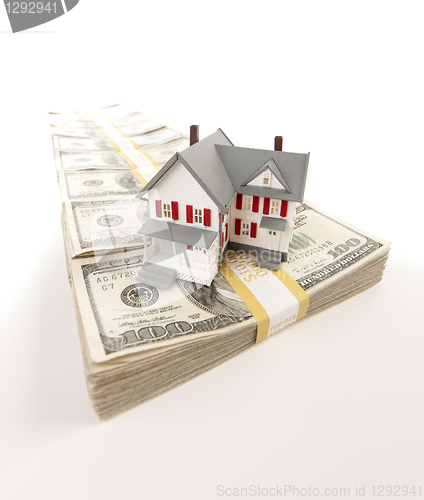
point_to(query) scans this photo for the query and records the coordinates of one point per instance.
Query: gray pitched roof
(242, 163)
(224, 170)
(203, 162)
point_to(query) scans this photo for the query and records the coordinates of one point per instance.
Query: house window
(245, 228)
(198, 215)
(266, 179)
(275, 207)
(167, 210)
(247, 203)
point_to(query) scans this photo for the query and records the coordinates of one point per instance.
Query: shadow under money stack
(138, 341)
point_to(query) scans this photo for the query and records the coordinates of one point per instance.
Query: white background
(333, 401)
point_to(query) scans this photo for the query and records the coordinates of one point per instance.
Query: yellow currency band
(296, 290)
(123, 155)
(253, 304)
(140, 178)
(134, 169)
(129, 161)
(136, 146)
(152, 160)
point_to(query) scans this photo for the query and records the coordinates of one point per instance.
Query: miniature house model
(214, 196)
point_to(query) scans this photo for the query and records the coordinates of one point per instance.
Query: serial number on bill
(31, 7)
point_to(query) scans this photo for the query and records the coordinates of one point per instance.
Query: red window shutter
(226, 231)
(266, 206)
(158, 208)
(239, 201)
(255, 205)
(222, 217)
(189, 213)
(222, 240)
(174, 209)
(207, 216)
(253, 227)
(283, 210)
(238, 226)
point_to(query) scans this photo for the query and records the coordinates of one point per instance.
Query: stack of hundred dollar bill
(140, 342)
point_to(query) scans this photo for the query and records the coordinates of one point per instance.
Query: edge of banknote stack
(138, 342)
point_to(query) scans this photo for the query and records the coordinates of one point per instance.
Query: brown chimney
(278, 143)
(194, 134)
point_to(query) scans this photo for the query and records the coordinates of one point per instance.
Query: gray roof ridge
(212, 187)
(279, 175)
(201, 183)
(217, 146)
(261, 149)
(226, 136)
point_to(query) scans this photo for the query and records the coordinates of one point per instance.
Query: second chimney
(194, 134)
(278, 143)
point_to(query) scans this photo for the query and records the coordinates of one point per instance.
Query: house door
(274, 240)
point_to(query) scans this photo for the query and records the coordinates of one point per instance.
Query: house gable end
(178, 192)
(245, 164)
(268, 170)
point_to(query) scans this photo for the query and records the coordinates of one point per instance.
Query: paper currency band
(143, 166)
(273, 297)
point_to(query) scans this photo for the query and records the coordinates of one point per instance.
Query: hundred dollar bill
(111, 160)
(137, 128)
(89, 160)
(57, 120)
(87, 184)
(121, 316)
(72, 145)
(329, 259)
(116, 112)
(163, 152)
(62, 121)
(324, 247)
(128, 119)
(101, 225)
(110, 112)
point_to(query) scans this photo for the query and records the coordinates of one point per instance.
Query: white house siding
(177, 184)
(262, 235)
